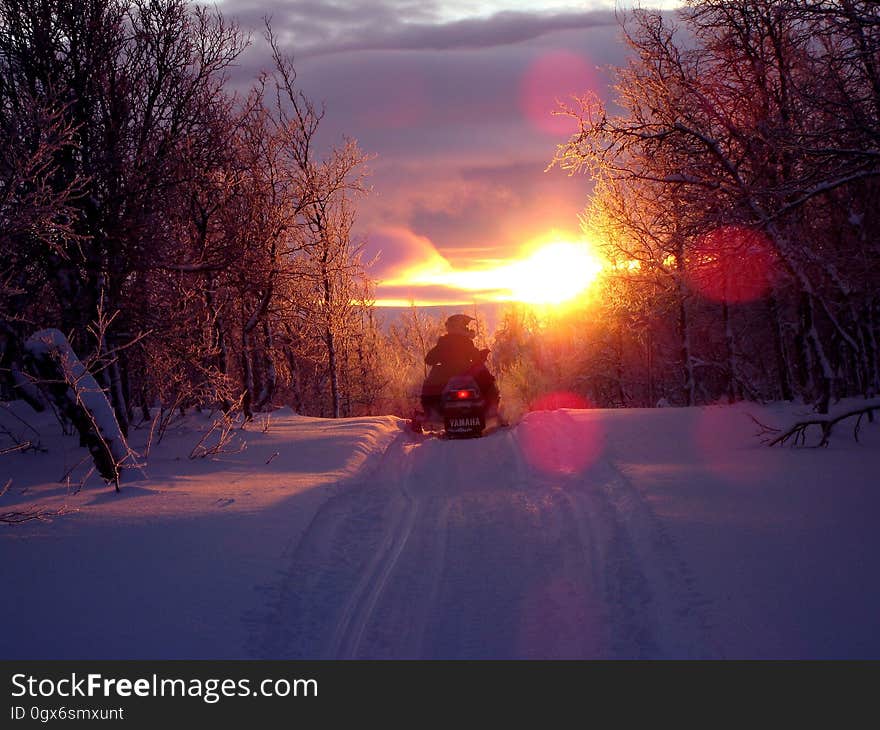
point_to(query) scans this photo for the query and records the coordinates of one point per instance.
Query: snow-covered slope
(629, 533)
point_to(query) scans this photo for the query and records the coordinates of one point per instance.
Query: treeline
(195, 246)
(736, 193)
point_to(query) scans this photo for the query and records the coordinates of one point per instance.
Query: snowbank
(179, 563)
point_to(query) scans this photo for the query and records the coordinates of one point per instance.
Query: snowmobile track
(362, 601)
(431, 555)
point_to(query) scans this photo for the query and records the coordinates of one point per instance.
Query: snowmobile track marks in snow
(676, 608)
(465, 549)
(651, 608)
(362, 602)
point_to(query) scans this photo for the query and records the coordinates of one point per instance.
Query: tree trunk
(78, 397)
(332, 371)
(621, 391)
(330, 339)
(783, 367)
(247, 376)
(117, 395)
(817, 352)
(802, 354)
(811, 347)
(270, 376)
(684, 335)
(247, 368)
(24, 388)
(733, 377)
(124, 371)
(296, 379)
(873, 380)
(218, 340)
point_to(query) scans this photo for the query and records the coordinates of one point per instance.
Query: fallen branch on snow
(19, 516)
(797, 432)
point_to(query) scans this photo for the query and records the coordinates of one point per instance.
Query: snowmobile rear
(465, 412)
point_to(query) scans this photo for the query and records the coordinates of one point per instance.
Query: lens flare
(550, 79)
(557, 446)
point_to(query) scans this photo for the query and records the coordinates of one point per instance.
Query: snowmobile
(465, 411)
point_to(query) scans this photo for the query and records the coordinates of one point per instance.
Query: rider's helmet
(458, 324)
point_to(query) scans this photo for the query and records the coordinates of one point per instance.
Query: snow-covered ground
(627, 533)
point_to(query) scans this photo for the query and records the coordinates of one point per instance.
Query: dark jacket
(454, 354)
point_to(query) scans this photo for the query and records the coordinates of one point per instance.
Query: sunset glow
(552, 270)
(555, 273)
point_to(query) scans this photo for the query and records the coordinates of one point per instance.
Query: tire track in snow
(362, 602)
(320, 593)
(516, 578)
(332, 601)
(653, 607)
(436, 573)
(590, 526)
(679, 612)
(397, 623)
(463, 549)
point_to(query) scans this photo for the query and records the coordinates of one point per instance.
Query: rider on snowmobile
(455, 354)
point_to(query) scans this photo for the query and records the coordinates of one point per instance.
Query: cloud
(501, 29)
(397, 252)
(426, 295)
(450, 105)
(315, 28)
(472, 213)
(407, 268)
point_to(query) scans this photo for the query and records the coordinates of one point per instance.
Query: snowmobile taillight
(464, 394)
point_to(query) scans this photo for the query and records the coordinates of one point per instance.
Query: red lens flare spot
(559, 399)
(732, 264)
(558, 444)
(550, 79)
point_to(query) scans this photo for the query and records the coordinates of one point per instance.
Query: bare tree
(735, 131)
(330, 259)
(137, 82)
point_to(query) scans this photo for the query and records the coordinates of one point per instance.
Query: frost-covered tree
(134, 83)
(196, 246)
(740, 168)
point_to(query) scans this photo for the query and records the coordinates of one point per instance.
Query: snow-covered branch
(77, 395)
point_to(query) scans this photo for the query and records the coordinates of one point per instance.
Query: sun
(552, 270)
(553, 273)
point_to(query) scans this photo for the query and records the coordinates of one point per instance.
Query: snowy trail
(469, 549)
(579, 533)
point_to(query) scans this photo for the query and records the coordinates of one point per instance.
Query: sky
(454, 100)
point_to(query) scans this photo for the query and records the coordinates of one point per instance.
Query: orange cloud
(401, 253)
